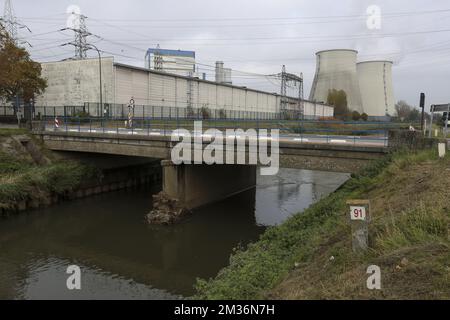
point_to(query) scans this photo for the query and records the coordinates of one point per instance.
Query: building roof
(376, 61)
(336, 50)
(169, 52)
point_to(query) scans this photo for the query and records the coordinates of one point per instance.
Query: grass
(412, 227)
(10, 164)
(36, 183)
(23, 180)
(9, 132)
(310, 256)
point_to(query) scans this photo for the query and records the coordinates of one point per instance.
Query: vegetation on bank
(9, 132)
(22, 180)
(310, 256)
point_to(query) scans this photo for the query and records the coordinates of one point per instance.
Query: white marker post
(359, 211)
(441, 150)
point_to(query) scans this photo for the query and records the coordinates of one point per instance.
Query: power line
(385, 15)
(290, 39)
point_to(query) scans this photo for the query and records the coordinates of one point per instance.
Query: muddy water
(123, 258)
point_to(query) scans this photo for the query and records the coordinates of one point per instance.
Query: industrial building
(368, 84)
(375, 84)
(336, 69)
(179, 62)
(223, 75)
(76, 83)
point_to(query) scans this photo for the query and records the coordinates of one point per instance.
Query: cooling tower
(336, 69)
(375, 83)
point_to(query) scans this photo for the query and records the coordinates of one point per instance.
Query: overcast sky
(258, 36)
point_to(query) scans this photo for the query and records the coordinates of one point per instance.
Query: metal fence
(159, 120)
(119, 111)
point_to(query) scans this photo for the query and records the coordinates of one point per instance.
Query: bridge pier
(186, 187)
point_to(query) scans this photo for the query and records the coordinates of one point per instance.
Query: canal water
(121, 257)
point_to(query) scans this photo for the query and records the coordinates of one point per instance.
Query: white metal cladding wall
(273, 101)
(181, 95)
(238, 99)
(203, 95)
(169, 96)
(209, 91)
(221, 98)
(131, 84)
(140, 88)
(310, 108)
(251, 100)
(225, 98)
(156, 84)
(164, 91)
(76, 82)
(317, 111)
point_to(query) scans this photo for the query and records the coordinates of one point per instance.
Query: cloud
(261, 35)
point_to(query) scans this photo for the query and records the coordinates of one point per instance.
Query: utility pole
(300, 97)
(10, 20)
(289, 79)
(283, 91)
(81, 34)
(80, 39)
(91, 46)
(12, 25)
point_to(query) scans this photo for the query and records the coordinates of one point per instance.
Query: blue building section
(169, 52)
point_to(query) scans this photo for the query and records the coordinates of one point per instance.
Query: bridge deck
(305, 152)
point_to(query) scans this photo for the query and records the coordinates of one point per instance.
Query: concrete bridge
(197, 185)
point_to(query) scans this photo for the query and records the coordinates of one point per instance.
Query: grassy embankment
(22, 180)
(310, 255)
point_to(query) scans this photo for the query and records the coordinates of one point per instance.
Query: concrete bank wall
(109, 180)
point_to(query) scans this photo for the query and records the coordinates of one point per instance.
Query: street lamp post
(100, 71)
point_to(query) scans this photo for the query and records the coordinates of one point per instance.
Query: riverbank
(310, 256)
(30, 176)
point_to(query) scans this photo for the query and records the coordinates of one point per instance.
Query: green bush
(9, 164)
(222, 114)
(205, 112)
(83, 116)
(32, 182)
(364, 116)
(356, 116)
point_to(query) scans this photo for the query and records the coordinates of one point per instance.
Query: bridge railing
(156, 120)
(331, 132)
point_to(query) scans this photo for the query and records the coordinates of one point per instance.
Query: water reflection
(123, 258)
(292, 191)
